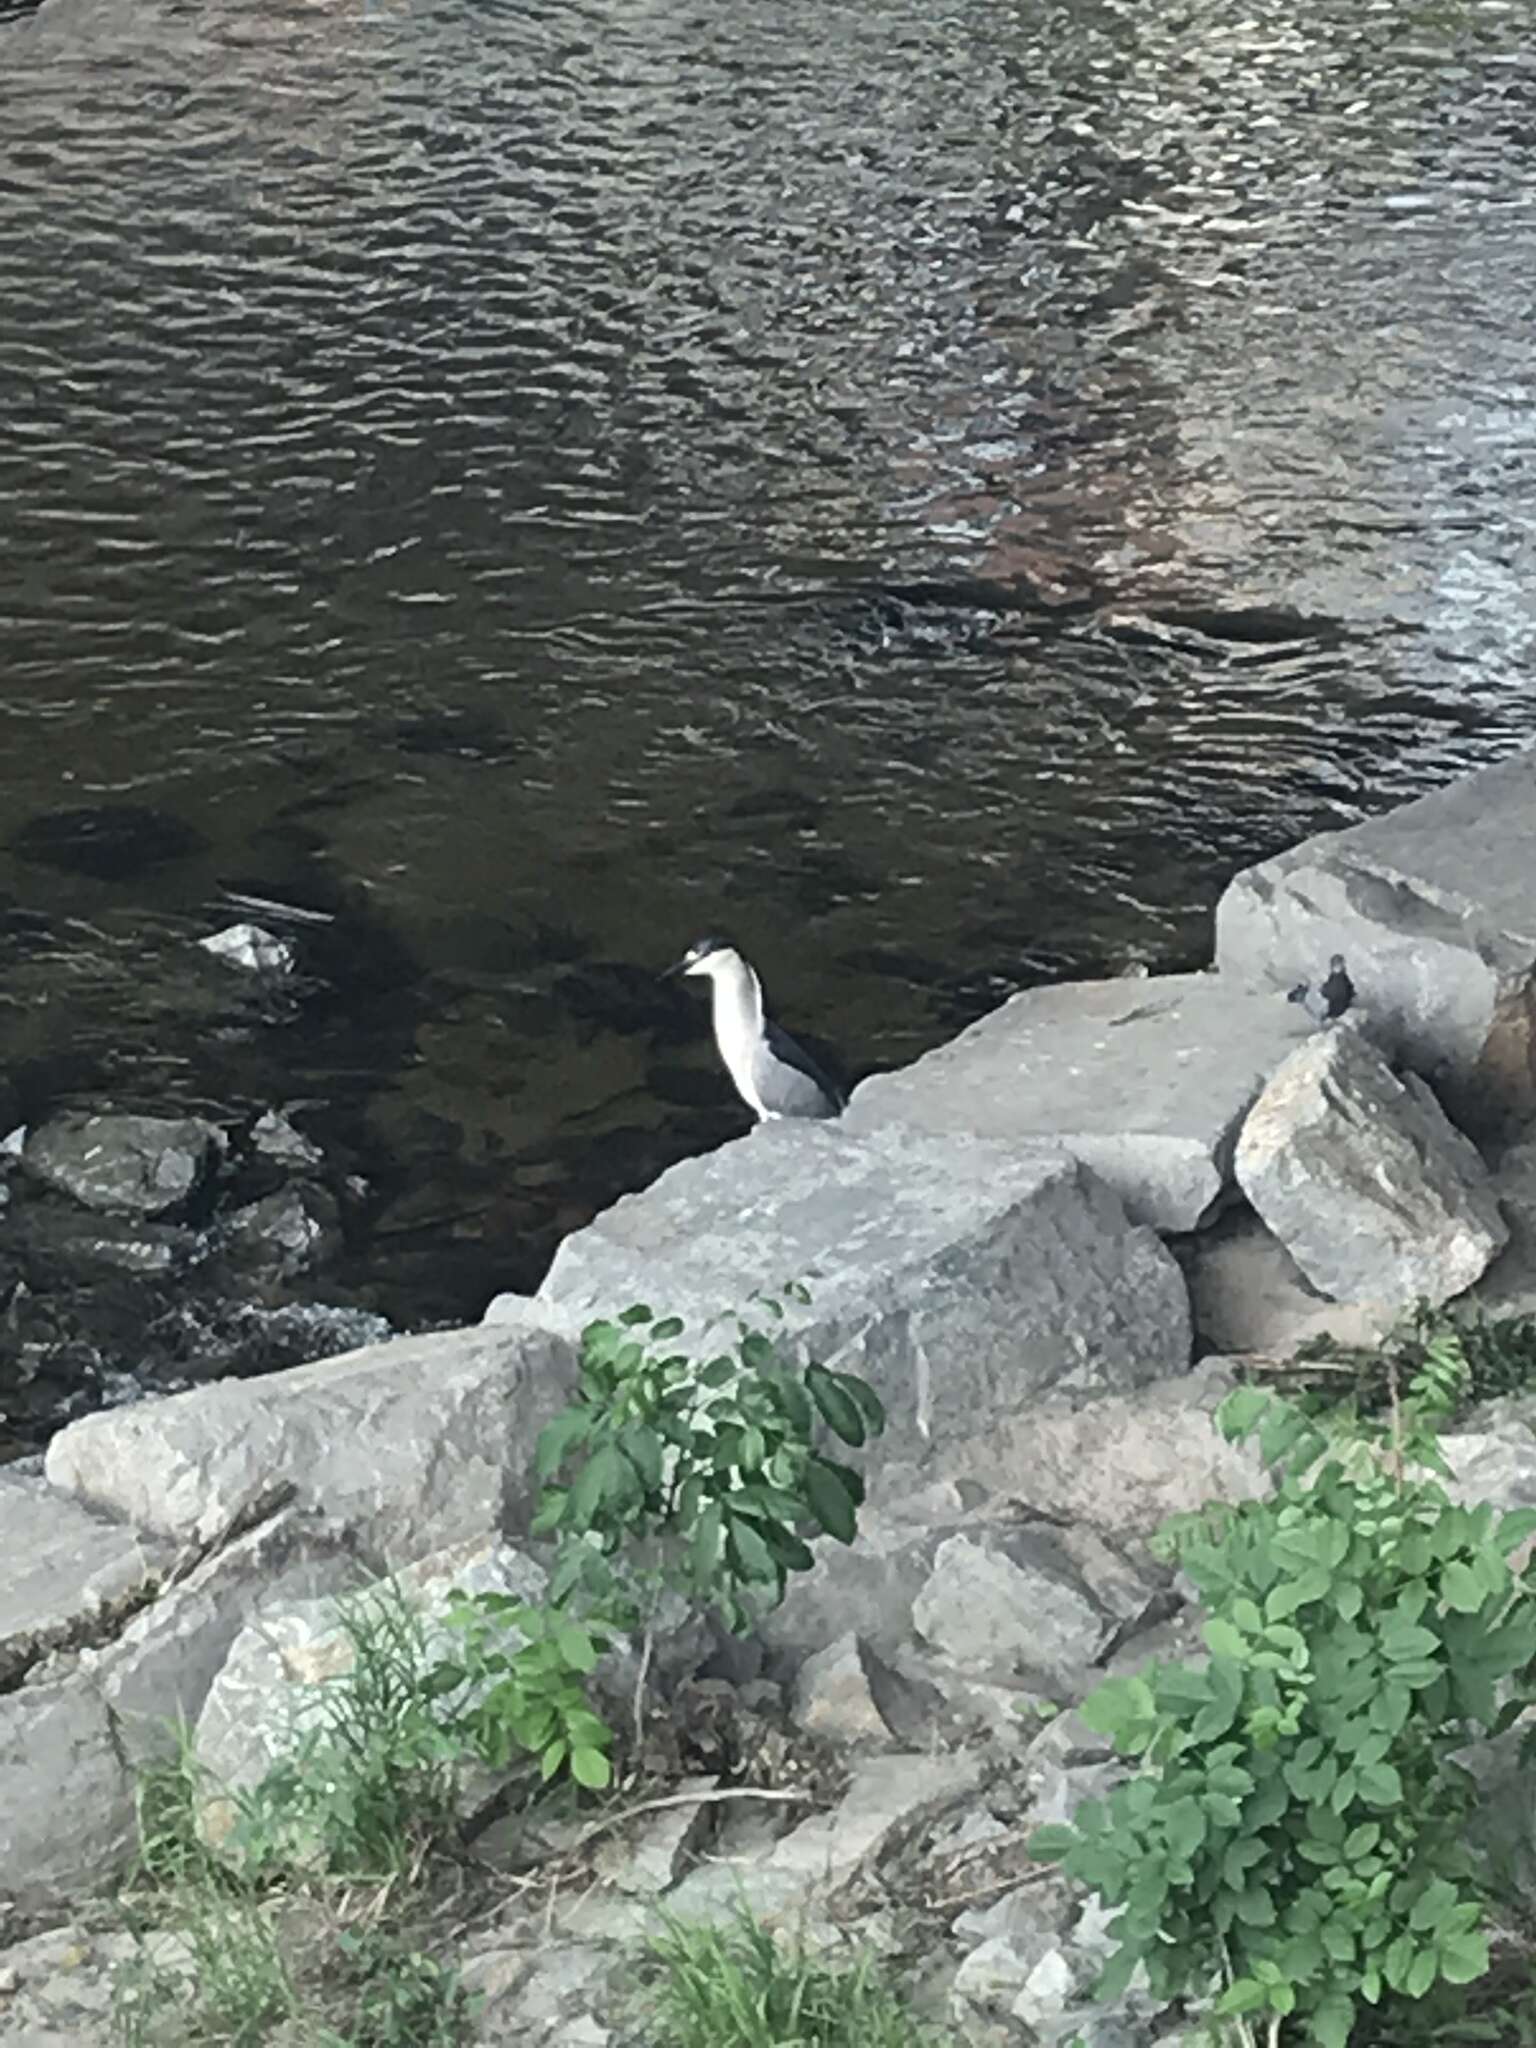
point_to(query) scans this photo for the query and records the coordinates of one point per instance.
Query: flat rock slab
(1146, 1081)
(124, 1165)
(1433, 906)
(69, 1574)
(960, 1278)
(1361, 1176)
(410, 1445)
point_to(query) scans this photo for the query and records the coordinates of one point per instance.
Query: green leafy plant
(400, 1997)
(525, 1669)
(703, 1479)
(1295, 1834)
(735, 1986)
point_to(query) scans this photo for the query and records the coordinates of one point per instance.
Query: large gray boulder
(409, 1446)
(1361, 1176)
(1146, 1081)
(126, 1165)
(960, 1278)
(1434, 907)
(69, 1576)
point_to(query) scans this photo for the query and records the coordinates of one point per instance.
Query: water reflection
(933, 490)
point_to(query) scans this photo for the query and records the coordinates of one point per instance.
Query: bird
(774, 1076)
(1326, 1003)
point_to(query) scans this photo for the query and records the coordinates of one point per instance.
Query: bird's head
(1336, 964)
(707, 956)
(1299, 993)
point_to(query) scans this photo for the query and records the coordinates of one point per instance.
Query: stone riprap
(68, 1575)
(66, 1801)
(409, 1446)
(1373, 1192)
(1146, 1081)
(1433, 906)
(1249, 1295)
(961, 1278)
(125, 1165)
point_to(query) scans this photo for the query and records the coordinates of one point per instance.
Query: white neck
(737, 1008)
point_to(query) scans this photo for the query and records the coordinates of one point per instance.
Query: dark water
(929, 488)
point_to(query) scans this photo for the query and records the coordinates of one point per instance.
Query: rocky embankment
(1021, 1241)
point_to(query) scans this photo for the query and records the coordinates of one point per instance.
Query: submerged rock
(109, 842)
(249, 947)
(286, 1232)
(123, 1164)
(1365, 1181)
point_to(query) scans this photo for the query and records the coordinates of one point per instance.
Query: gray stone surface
(69, 1574)
(962, 1279)
(156, 1673)
(1363, 1179)
(1249, 1295)
(126, 1165)
(1145, 1081)
(1016, 1609)
(886, 1796)
(833, 1695)
(1122, 1464)
(408, 1446)
(66, 1805)
(1434, 907)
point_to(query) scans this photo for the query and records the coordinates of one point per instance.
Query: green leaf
(1242, 1411)
(1050, 1844)
(668, 1328)
(558, 1438)
(1464, 1958)
(794, 1403)
(865, 1399)
(838, 1410)
(1380, 1784)
(829, 1499)
(1334, 2021)
(591, 1768)
(1461, 1588)
(704, 1550)
(745, 1547)
(576, 1647)
(1226, 1641)
(551, 1760)
(632, 1318)
(645, 1451)
(1243, 1994)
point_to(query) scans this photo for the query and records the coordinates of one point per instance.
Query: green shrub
(667, 1474)
(1295, 1835)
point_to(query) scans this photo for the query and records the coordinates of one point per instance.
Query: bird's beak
(676, 968)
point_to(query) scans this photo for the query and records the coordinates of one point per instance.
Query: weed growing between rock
(737, 1987)
(259, 1909)
(1294, 1846)
(1496, 1354)
(669, 1475)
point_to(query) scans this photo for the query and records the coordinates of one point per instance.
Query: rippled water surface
(930, 488)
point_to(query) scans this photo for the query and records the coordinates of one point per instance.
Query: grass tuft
(736, 1986)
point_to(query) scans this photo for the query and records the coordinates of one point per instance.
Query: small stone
(275, 1137)
(250, 948)
(287, 1232)
(833, 1697)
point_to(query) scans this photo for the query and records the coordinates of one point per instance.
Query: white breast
(738, 1020)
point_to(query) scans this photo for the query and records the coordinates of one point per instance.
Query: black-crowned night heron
(1327, 1003)
(773, 1075)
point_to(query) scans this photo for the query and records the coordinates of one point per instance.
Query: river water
(929, 486)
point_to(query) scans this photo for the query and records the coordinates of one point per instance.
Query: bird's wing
(801, 1087)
